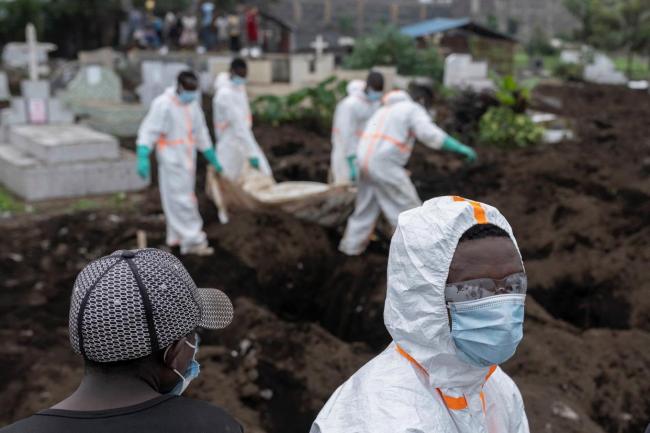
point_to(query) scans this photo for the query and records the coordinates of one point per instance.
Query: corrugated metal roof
(435, 25)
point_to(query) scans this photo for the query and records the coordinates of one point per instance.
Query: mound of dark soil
(307, 317)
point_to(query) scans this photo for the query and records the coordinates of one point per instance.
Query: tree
(614, 24)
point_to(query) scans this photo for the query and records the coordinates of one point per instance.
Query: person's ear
(177, 356)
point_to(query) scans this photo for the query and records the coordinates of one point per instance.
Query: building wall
(548, 16)
(334, 18)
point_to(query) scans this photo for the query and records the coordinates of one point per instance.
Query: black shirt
(164, 414)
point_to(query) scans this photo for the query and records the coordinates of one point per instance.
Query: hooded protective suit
(236, 144)
(419, 384)
(350, 118)
(384, 150)
(177, 130)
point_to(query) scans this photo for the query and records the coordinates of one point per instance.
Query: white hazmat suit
(233, 123)
(177, 130)
(384, 150)
(350, 118)
(419, 384)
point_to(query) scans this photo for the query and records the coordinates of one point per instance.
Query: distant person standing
(221, 23)
(234, 32)
(252, 27)
(206, 31)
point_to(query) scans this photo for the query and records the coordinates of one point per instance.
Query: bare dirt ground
(307, 317)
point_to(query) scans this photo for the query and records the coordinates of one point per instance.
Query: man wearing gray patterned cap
(134, 317)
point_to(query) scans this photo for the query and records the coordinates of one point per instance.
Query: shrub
(387, 46)
(569, 71)
(502, 127)
(507, 125)
(311, 105)
(466, 109)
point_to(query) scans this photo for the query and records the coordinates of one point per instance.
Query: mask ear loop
(193, 346)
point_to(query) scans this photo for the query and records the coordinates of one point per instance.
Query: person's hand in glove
(144, 165)
(211, 156)
(453, 145)
(254, 162)
(352, 164)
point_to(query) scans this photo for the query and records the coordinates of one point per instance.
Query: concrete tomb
(462, 72)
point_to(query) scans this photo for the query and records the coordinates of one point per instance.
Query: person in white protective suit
(454, 309)
(176, 127)
(350, 118)
(384, 149)
(236, 144)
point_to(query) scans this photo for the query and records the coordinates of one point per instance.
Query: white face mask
(191, 373)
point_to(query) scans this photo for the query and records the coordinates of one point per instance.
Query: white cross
(319, 45)
(32, 49)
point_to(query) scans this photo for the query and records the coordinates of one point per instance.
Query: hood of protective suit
(396, 96)
(415, 313)
(356, 87)
(222, 80)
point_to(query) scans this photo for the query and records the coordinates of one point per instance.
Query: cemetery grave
(307, 317)
(45, 155)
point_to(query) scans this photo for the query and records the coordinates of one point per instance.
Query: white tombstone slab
(462, 72)
(4, 87)
(32, 179)
(16, 54)
(571, 56)
(603, 71)
(156, 77)
(53, 144)
(94, 83)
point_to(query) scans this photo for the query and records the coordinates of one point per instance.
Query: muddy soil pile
(306, 317)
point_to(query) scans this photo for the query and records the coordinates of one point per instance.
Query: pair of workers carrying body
(175, 126)
(372, 141)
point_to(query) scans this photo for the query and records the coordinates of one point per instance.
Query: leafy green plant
(504, 128)
(569, 71)
(312, 105)
(507, 125)
(388, 46)
(512, 94)
(8, 203)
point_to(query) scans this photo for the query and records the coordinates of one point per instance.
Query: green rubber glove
(453, 145)
(144, 165)
(352, 163)
(254, 162)
(211, 156)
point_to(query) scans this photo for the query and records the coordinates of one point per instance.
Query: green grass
(640, 69)
(522, 61)
(83, 204)
(8, 203)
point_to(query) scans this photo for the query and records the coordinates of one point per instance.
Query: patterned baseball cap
(133, 303)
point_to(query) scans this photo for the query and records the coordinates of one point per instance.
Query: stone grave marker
(95, 94)
(156, 77)
(5, 95)
(603, 71)
(462, 72)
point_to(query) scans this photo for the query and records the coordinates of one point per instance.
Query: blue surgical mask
(187, 97)
(191, 373)
(374, 95)
(237, 80)
(487, 331)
